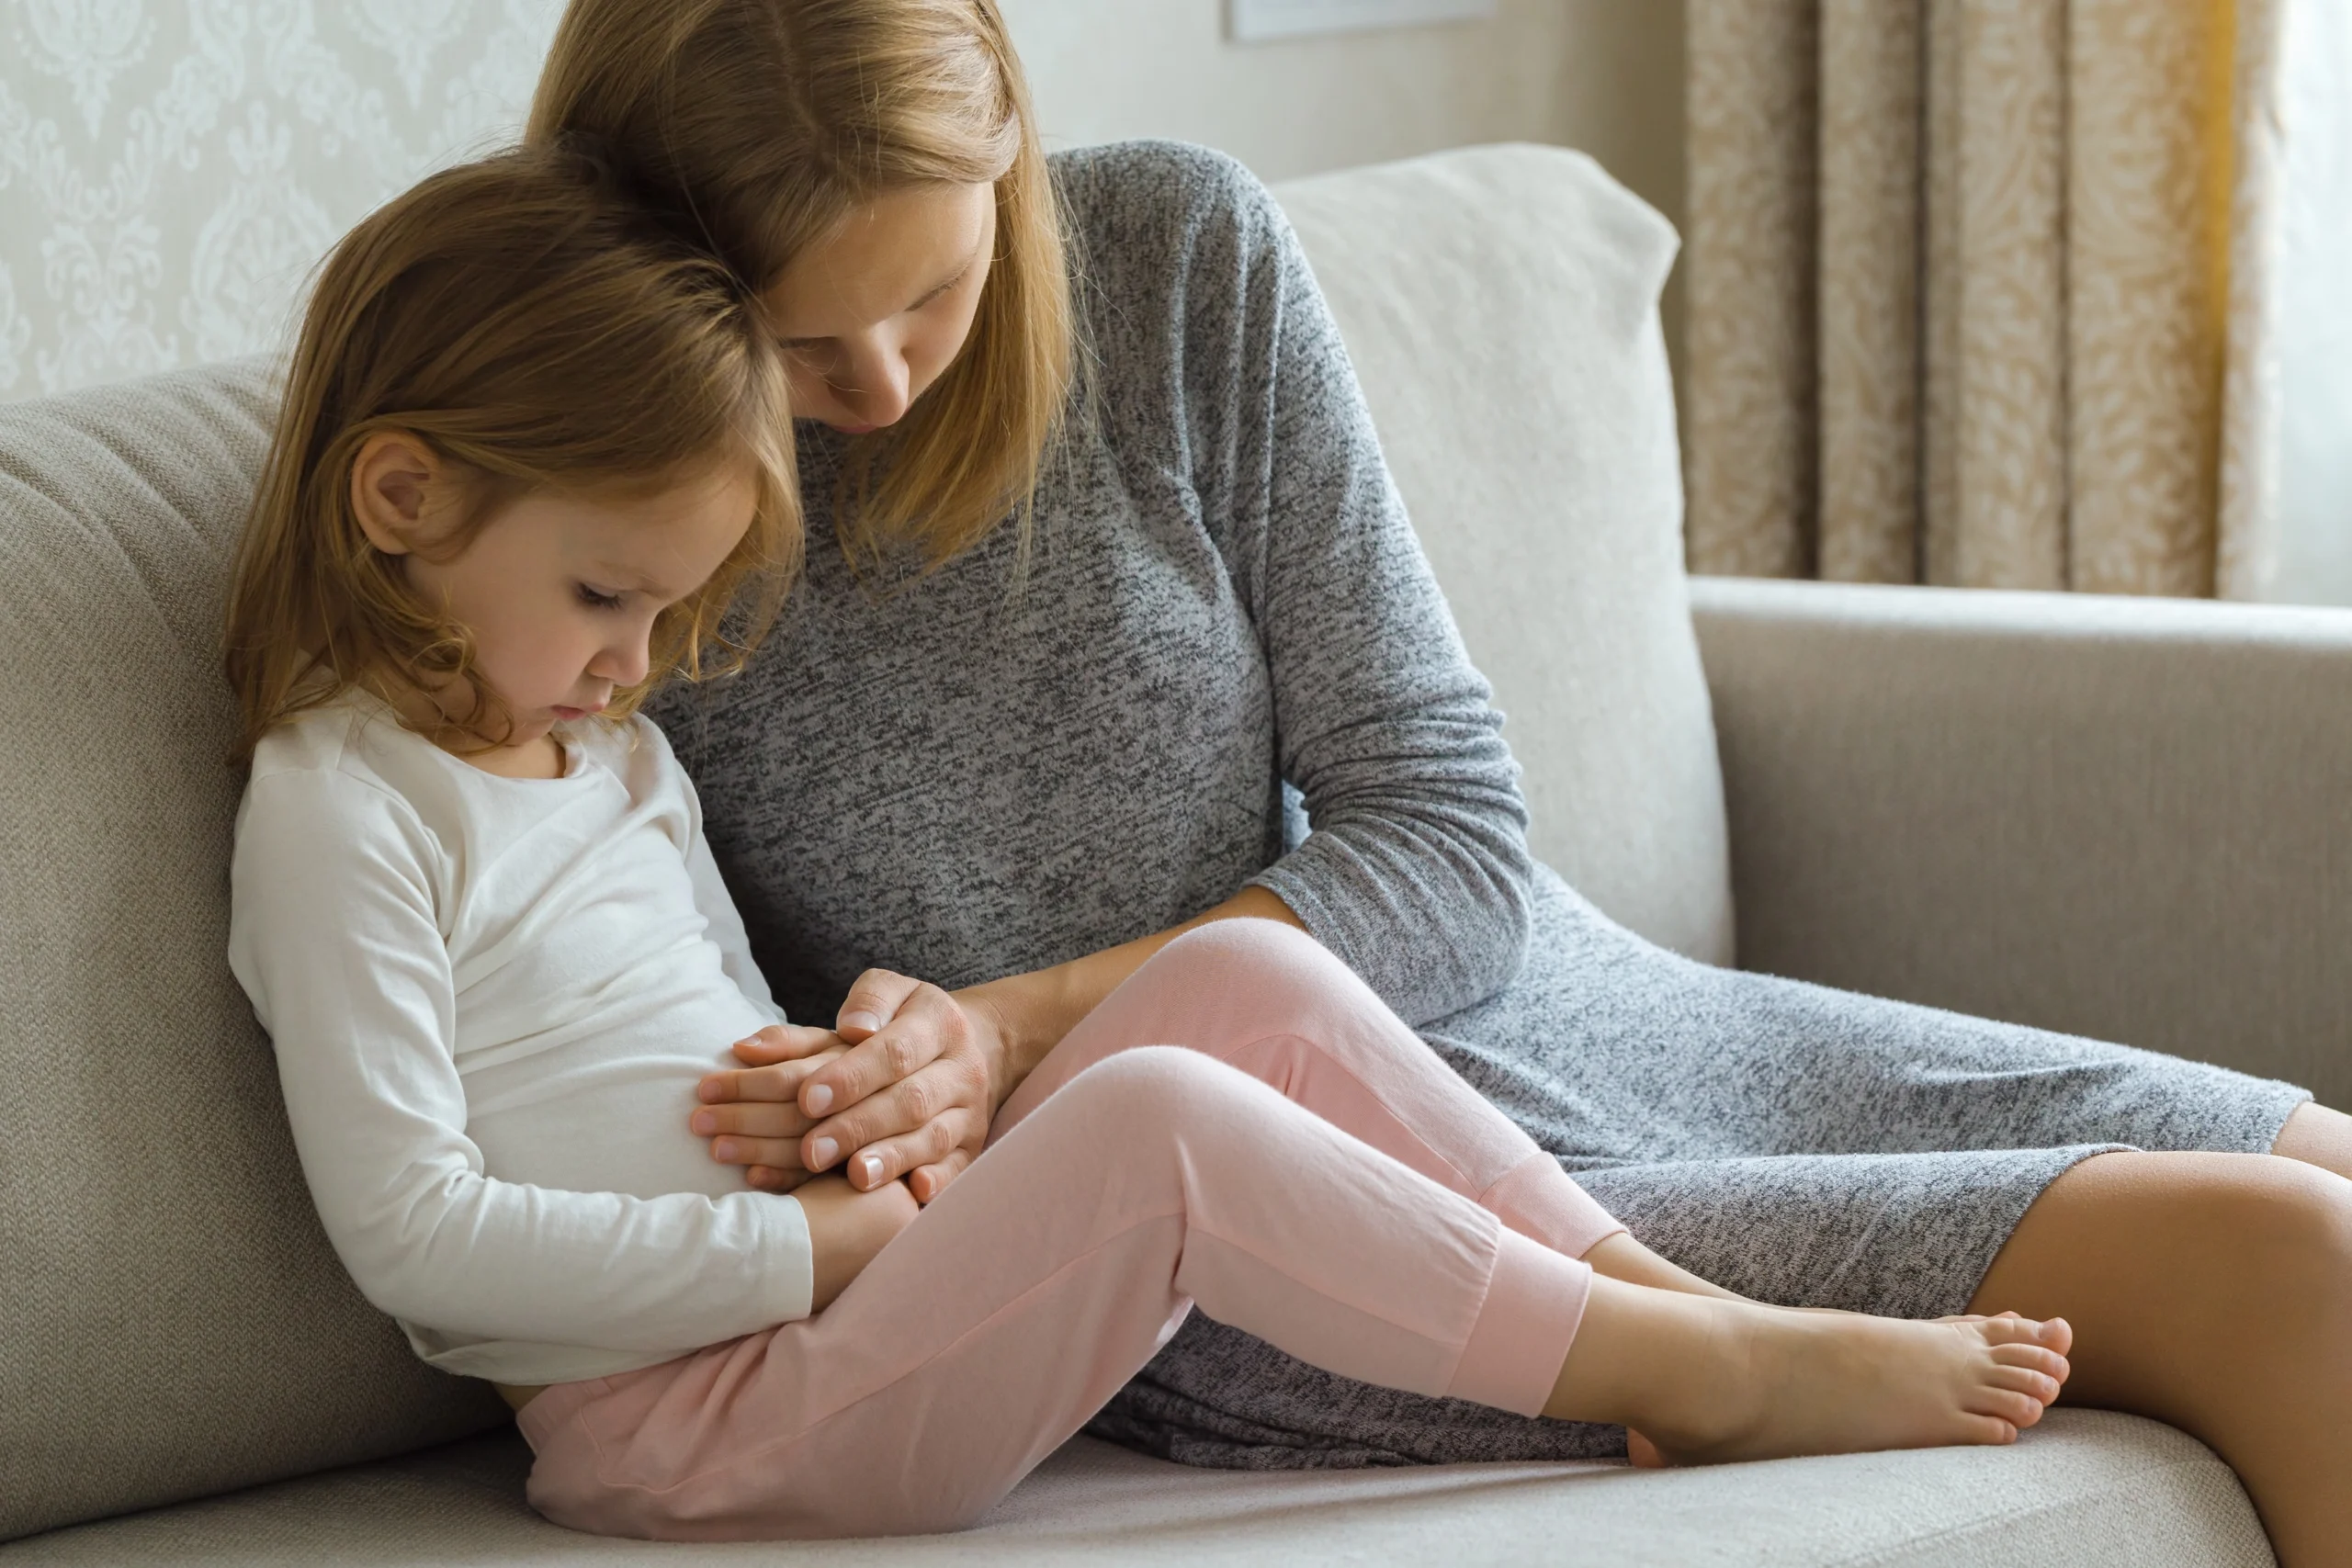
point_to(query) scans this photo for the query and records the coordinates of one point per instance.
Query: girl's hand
(906, 1085)
(752, 1118)
(847, 1228)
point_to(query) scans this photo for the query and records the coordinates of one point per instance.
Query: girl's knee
(1161, 1086)
(1261, 954)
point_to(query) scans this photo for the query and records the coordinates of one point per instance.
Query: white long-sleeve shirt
(491, 1000)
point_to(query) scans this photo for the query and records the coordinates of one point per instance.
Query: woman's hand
(908, 1079)
(905, 1086)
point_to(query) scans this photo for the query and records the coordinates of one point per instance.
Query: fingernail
(707, 1089)
(723, 1149)
(872, 1165)
(822, 1152)
(816, 1099)
(859, 1020)
(705, 1122)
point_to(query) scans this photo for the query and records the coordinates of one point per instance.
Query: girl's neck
(541, 757)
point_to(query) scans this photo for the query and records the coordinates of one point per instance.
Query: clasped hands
(903, 1085)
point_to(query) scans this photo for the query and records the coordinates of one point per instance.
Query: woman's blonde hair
(538, 331)
(756, 126)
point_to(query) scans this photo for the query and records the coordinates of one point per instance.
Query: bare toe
(2019, 1410)
(2036, 1385)
(2010, 1329)
(2033, 1358)
(1989, 1429)
(1642, 1452)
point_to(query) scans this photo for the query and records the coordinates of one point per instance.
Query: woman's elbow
(1493, 938)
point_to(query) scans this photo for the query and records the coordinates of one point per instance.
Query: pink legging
(1303, 1168)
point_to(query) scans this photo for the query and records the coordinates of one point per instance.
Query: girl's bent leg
(1274, 1002)
(1034, 1287)
(2213, 1292)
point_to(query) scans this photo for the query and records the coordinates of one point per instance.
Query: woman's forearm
(1033, 1011)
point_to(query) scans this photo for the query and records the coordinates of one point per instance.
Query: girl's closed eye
(598, 601)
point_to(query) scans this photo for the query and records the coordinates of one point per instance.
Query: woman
(1086, 642)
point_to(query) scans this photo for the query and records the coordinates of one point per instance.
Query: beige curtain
(1977, 291)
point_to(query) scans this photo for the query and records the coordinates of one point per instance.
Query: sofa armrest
(2126, 819)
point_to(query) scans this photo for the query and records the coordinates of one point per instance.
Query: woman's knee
(2222, 1229)
(2298, 1219)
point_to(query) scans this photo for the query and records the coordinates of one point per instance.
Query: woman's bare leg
(2213, 1292)
(2319, 1136)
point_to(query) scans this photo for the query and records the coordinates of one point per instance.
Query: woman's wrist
(1027, 1015)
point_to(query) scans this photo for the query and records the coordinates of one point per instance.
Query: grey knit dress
(1219, 633)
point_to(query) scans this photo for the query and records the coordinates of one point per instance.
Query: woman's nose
(876, 385)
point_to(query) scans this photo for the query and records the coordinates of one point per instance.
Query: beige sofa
(2125, 818)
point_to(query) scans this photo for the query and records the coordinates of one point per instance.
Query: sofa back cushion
(1500, 306)
(171, 1321)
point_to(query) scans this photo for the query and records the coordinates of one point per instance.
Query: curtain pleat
(1873, 96)
(2149, 200)
(1996, 294)
(1750, 380)
(2247, 559)
(1968, 281)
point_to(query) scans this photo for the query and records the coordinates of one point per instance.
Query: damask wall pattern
(170, 170)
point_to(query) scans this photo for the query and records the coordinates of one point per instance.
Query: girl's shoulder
(336, 781)
(345, 736)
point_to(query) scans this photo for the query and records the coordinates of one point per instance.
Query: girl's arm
(334, 935)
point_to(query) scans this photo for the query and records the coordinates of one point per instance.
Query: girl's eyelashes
(596, 600)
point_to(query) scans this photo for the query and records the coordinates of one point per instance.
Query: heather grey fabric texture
(1517, 374)
(1017, 760)
(2129, 818)
(171, 1319)
(2086, 1490)
(1037, 752)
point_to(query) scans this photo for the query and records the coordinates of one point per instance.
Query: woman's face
(872, 313)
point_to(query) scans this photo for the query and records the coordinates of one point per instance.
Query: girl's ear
(395, 481)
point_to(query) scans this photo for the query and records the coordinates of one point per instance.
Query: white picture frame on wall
(1253, 21)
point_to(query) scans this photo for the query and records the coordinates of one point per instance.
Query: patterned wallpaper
(170, 170)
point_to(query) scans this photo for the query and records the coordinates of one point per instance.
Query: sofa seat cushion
(2087, 1490)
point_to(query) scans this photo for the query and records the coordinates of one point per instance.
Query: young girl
(530, 455)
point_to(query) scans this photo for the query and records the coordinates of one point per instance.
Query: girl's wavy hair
(538, 332)
(757, 126)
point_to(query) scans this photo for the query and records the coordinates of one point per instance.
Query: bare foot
(1703, 1382)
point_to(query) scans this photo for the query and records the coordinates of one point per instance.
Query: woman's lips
(568, 714)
